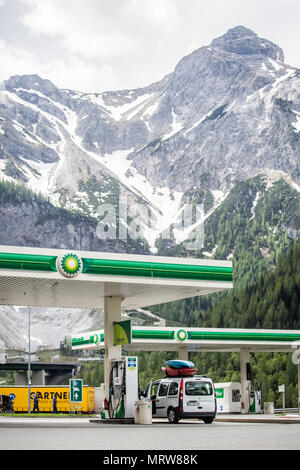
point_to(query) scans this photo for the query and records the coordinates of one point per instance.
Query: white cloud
(79, 75)
(115, 44)
(102, 29)
(14, 61)
(73, 73)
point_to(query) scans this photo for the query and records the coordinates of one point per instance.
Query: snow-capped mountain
(47, 326)
(228, 112)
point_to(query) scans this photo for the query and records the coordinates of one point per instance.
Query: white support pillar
(21, 377)
(244, 359)
(183, 352)
(112, 313)
(296, 361)
(38, 377)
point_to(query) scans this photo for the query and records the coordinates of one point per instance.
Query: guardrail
(289, 410)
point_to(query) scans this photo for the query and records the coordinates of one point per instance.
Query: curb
(267, 420)
(112, 421)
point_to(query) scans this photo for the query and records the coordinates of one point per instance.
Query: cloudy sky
(99, 45)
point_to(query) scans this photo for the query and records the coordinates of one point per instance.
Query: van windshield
(198, 388)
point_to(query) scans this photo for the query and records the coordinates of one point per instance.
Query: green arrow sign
(76, 395)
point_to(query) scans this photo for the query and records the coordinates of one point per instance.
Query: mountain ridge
(229, 112)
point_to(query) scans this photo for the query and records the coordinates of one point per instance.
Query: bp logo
(94, 338)
(181, 335)
(69, 265)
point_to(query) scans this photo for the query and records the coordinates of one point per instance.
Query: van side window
(173, 390)
(163, 389)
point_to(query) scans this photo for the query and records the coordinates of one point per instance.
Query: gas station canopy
(147, 338)
(82, 279)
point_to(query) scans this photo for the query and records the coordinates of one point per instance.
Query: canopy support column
(183, 353)
(112, 313)
(244, 360)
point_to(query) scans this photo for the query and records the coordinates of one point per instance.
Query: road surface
(83, 434)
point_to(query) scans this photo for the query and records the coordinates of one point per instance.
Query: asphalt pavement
(91, 434)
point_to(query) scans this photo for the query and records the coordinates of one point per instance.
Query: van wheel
(172, 416)
(208, 420)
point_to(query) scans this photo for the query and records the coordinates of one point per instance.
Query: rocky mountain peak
(31, 83)
(244, 41)
(225, 113)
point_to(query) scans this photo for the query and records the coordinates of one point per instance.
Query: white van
(183, 397)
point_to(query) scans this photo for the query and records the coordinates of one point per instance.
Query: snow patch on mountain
(176, 127)
(163, 202)
(296, 124)
(254, 205)
(116, 111)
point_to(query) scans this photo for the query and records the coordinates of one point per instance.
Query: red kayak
(183, 372)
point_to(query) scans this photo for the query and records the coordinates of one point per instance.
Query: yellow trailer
(19, 396)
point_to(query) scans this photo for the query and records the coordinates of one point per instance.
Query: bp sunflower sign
(69, 265)
(122, 332)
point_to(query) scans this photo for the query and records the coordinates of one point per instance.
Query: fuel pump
(123, 388)
(254, 398)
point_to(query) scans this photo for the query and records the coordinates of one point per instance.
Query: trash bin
(268, 408)
(136, 412)
(143, 412)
